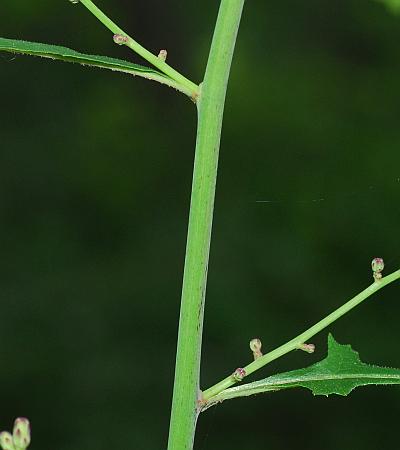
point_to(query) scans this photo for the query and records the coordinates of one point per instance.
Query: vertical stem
(210, 112)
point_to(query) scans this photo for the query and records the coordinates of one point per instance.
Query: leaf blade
(68, 55)
(339, 373)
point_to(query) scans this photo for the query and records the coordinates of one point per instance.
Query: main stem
(210, 106)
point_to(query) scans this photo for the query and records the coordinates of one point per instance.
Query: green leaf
(68, 55)
(339, 373)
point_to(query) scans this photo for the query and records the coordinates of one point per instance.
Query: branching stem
(303, 337)
(143, 52)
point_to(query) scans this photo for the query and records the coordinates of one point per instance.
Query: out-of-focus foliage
(393, 5)
(95, 173)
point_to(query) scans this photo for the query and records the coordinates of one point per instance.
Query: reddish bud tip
(21, 433)
(239, 374)
(377, 265)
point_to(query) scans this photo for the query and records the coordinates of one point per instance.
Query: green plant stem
(143, 52)
(303, 337)
(185, 407)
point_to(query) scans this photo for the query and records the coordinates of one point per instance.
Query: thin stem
(303, 337)
(143, 52)
(185, 407)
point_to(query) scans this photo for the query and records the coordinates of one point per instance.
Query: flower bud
(239, 374)
(6, 441)
(309, 348)
(255, 346)
(377, 265)
(21, 433)
(163, 55)
(120, 39)
(74, 1)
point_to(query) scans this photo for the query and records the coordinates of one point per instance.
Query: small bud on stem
(21, 433)
(255, 347)
(20, 438)
(239, 374)
(377, 265)
(120, 39)
(163, 55)
(309, 348)
(6, 441)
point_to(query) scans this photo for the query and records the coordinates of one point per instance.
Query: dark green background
(95, 173)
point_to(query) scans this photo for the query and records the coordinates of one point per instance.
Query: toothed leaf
(339, 373)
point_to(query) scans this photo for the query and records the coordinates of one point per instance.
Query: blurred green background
(95, 174)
